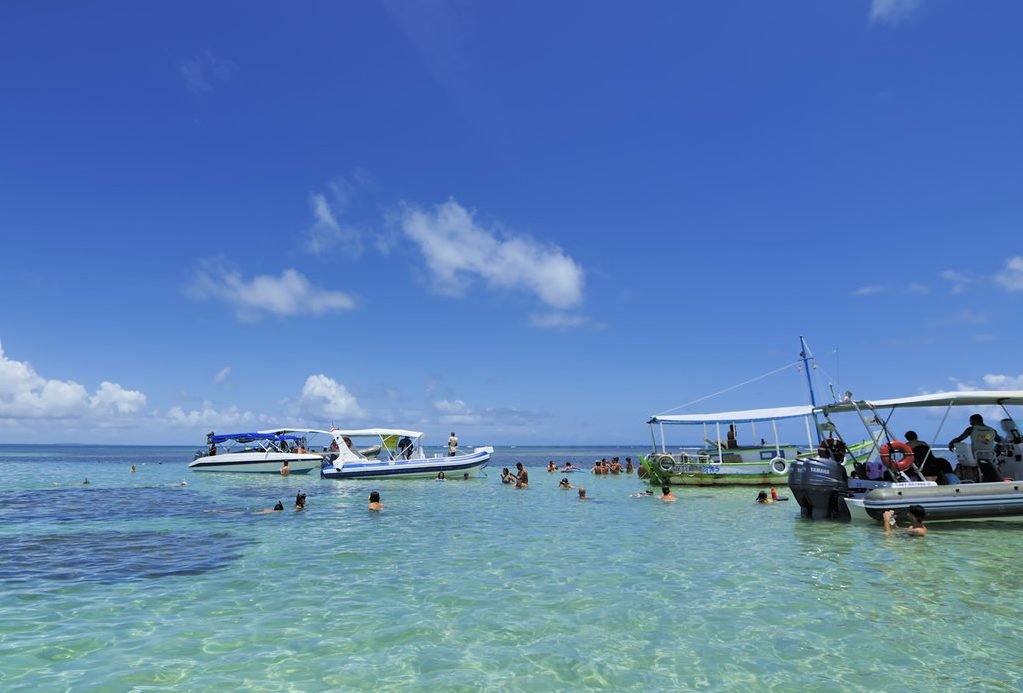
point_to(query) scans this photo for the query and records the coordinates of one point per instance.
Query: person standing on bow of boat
(730, 441)
(452, 445)
(982, 441)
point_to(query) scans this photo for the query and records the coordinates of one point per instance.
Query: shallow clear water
(132, 584)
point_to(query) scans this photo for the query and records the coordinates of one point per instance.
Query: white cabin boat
(399, 454)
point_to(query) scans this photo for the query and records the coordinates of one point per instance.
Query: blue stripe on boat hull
(430, 467)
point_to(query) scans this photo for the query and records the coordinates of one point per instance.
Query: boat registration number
(701, 469)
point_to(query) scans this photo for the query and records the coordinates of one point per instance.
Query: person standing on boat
(452, 445)
(405, 447)
(982, 441)
(730, 441)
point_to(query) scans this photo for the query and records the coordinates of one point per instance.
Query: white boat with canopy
(898, 473)
(261, 452)
(723, 460)
(400, 454)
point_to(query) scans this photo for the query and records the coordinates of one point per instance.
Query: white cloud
(559, 320)
(222, 375)
(456, 248)
(114, 397)
(455, 412)
(1011, 279)
(203, 69)
(1003, 382)
(289, 294)
(892, 11)
(24, 394)
(868, 290)
(959, 280)
(968, 317)
(326, 398)
(210, 418)
(919, 289)
(327, 233)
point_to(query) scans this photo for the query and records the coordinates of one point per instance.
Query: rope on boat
(729, 389)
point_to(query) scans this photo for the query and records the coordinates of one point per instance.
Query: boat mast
(807, 356)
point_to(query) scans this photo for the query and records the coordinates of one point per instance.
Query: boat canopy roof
(964, 398)
(382, 432)
(745, 416)
(241, 437)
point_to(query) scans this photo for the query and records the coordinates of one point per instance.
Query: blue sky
(527, 222)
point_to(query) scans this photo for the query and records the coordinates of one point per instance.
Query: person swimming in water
(551, 467)
(763, 498)
(568, 466)
(506, 476)
(440, 476)
(564, 483)
(666, 495)
(374, 501)
(917, 515)
(582, 494)
(300, 501)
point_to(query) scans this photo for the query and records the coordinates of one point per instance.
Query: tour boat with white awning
(400, 455)
(723, 460)
(261, 452)
(894, 475)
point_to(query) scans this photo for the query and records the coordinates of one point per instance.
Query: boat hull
(951, 502)
(258, 463)
(425, 467)
(759, 467)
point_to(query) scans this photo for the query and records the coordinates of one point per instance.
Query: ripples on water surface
(129, 583)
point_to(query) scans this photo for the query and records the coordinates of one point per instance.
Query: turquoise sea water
(131, 584)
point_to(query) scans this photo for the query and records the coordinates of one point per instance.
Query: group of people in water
(604, 466)
(601, 466)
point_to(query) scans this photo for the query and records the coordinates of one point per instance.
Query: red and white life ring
(897, 455)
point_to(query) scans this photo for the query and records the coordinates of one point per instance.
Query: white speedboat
(265, 452)
(398, 454)
(894, 479)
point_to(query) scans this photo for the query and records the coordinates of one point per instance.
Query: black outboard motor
(819, 485)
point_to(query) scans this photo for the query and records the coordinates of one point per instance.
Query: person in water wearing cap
(564, 483)
(374, 501)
